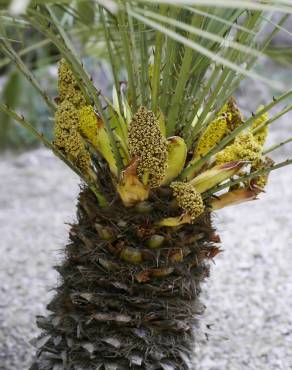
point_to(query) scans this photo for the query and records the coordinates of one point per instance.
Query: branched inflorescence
(66, 118)
(244, 148)
(88, 123)
(228, 119)
(76, 122)
(67, 137)
(212, 135)
(68, 86)
(188, 198)
(92, 128)
(147, 143)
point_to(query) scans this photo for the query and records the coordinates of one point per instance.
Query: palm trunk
(123, 304)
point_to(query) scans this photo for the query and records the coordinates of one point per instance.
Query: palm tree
(170, 147)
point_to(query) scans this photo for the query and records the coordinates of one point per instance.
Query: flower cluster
(147, 143)
(228, 119)
(66, 130)
(89, 123)
(188, 198)
(68, 86)
(244, 148)
(151, 160)
(214, 133)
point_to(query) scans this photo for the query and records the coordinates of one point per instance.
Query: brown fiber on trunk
(120, 303)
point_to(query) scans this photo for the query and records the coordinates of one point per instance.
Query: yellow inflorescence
(66, 119)
(244, 148)
(228, 119)
(262, 134)
(92, 128)
(188, 199)
(76, 151)
(67, 137)
(147, 143)
(212, 135)
(88, 123)
(68, 87)
(66, 116)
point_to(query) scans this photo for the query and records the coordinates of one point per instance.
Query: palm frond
(270, 5)
(280, 54)
(216, 58)
(6, 48)
(277, 146)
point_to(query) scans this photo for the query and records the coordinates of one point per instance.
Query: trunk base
(121, 304)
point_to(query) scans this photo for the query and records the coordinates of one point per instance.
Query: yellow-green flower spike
(262, 134)
(147, 143)
(83, 161)
(212, 135)
(228, 119)
(68, 87)
(88, 123)
(67, 137)
(73, 145)
(92, 127)
(66, 119)
(66, 116)
(188, 199)
(244, 148)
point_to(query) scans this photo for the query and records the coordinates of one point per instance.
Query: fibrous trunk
(128, 297)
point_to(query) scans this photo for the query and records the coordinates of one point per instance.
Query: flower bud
(188, 198)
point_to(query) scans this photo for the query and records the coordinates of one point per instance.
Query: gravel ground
(248, 297)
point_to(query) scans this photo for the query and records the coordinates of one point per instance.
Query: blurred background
(248, 320)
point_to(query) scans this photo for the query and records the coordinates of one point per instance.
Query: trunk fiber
(120, 304)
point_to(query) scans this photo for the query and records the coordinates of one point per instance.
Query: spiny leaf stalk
(261, 134)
